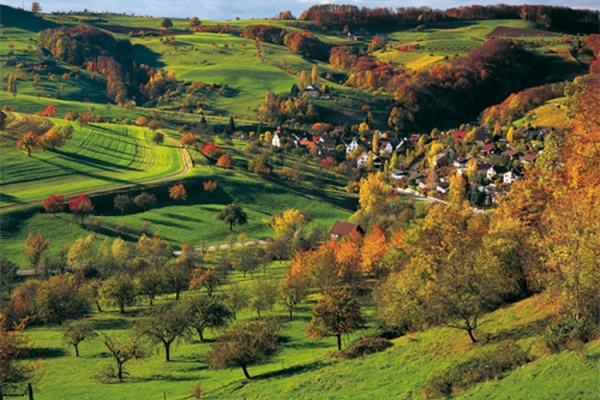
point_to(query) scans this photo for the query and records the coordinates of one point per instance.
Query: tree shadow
(45, 353)
(287, 372)
(519, 332)
(168, 223)
(111, 324)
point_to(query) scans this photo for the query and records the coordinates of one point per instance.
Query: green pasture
(192, 220)
(97, 156)
(305, 367)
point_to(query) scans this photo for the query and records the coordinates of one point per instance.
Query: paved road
(185, 159)
(224, 246)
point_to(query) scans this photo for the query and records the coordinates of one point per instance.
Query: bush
(493, 364)
(365, 346)
(561, 334)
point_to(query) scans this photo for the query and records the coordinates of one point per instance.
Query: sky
(246, 9)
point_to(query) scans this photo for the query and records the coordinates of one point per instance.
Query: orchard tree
(233, 214)
(264, 295)
(188, 139)
(35, 246)
(123, 350)
(76, 332)
(245, 345)
(8, 275)
(158, 138)
(121, 202)
(163, 325)
(177, 277)
(14, 372)
(60, 298)
(118, 290)
(50, 111)
(207, 313)
(236, 298)
(54, 203)
(36, 7)
(225, 161)
(337, 313)
(195, 22)
(30, 141)
(81, 206)
(150, 282)
(144, 200)
(207, 279)
(292, 292)
(166, 23)
(178, 192)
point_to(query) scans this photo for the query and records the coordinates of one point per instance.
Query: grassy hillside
(98, 156)
(306, 367)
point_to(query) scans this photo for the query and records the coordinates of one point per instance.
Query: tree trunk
(167, 352)
(122, 308)
(470, 332)
(98, 306)
(177, 295)
(151, 300)
(290, 315)
(120, 371)
(246, 374)
(201, 334)
(231, 226)
(339, 342)
(76, 350)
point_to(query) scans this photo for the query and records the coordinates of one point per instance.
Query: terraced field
(98, 156)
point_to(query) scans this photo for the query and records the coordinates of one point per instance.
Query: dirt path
(186, 159)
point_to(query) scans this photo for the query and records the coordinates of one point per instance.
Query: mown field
(305, 367)
(97, 156)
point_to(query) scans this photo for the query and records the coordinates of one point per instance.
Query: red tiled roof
(342, 228)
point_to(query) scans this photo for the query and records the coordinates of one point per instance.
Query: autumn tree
(50, 111)
(14, 348)
(163, 325)
(150, 282)
(207, 279)
(188, 139)
(36, 7)
(30, 141)
(76, 332)
(374, 248)
(119, 290)
(458, 189)
(225, 161)
(177, 192)
(35, 246)
(60, 298)
(233, 214)
(314, 75)
(177, 277)
(121, 202)
(81, 206)
(54, 203)
(8, 275)
(144, 200)
(289, 224)
(292, 292)
(337, 313)
(302, 80)
(206, 313)
(264, 295)
(245, 345)
(195, 22)
(122, 351)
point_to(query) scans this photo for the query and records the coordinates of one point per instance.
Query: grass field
(305, 367)
(98, 156)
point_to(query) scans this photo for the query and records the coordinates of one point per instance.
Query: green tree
(264, 295)
(177, 277)
(123, 350)
(245, 345)
(150, 283)
(292, 292)
(207, 313)
(163, 325)
(8, 274)
(335, 314)
(118, 290)
(236, 298)
(166, 23)
(233, 214)
(158, 138)
(76, 332)
(194, 22)
(60, 298)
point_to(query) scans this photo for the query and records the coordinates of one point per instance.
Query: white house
(385, 147)
(493, 171)
(353, 145)
(362, 160)
(511, 176)
(276, 141)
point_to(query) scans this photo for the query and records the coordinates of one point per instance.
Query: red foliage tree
(224, 161)
(328, 163)
(81, 206)
(50, 111)
(54, 203)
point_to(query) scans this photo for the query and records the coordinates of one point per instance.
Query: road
(185, 159)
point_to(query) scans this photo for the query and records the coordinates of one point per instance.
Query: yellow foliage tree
(289, 224)
(373, 192)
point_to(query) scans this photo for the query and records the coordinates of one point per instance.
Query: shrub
(367, 345)
(492, 364)
(561, 334)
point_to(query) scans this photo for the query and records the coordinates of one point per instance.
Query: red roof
(306, 143)
(341, 228)
(316, 139)
(459, 135)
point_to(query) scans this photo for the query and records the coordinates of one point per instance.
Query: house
(494, 171)
(385, 146)
(312, 91)
(317, 139)
(404, 144)
(276, 141)
(325, 96)
(398, 174)
(459, 136)
(350, 147)
(512, 154)
(362, 160)
(489, 149)
(528, 158)
(341, 229)
(460, 163)
(329, 144)
(443, 187)
(511, 176)
(414, 139)
(481, 137)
